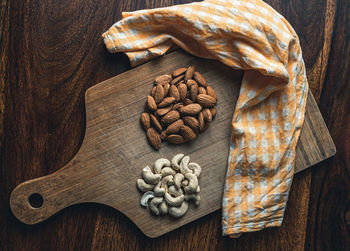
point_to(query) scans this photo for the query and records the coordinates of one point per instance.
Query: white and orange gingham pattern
(247, 35)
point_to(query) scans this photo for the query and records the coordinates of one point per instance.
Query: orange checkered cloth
(251, 36)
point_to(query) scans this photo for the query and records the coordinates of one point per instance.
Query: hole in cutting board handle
(35, 200)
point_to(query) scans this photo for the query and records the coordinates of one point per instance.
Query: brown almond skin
(174, 92)
(156, 123)
(178, 106)
(153, 91)
(145, 121)
(189, 73)
(162, 79)
(207, 115)
(163, 111)
(151, 103)
(190, 82)
(166, 88)
(191, 109)
(205, 127)
(182, 88)
(177, 79)
(213, 111)
(188, 101)
(202, 90)
(179, 72)
(200, 79)
(159, 94)
(206, 100)
(191, 122)
(166, 102)
(174, 127)
(170, 117)
(153, 138)
(201, 121)
(163, 135)
(211, 92)
(188, 133)
(194, 92)
(175, 139)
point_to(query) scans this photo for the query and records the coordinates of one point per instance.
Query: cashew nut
(178, 212)
(184, 165)
(149, 176)
(153, 206)
(168, 171)
(143, 186)
(178, 178)
(173, 201)
(192, 183)
(195, 197)
(158, 190)
(167, 181)
(159, 164)
(195, 168)
(145, 197)
(175, 192)
(163, 208)
(184, 183)
(198, 189)
(175, 161)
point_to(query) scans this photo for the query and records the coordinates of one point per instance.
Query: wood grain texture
(52, 52)
(115, 149)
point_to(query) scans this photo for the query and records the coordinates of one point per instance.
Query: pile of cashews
(170, 186)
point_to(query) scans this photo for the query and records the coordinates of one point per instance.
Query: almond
(154, 138)
(179, 72)
(213, 111)
(207, 115)
(153, 91)
(145, 121)
(182, 88)
(178, 106)
(191, 109)
(190, 82)
(163, 135)
(194, 92)
(211, 92)
(188, 101)
(156, 123)
(170, 117)
(206, 100)
(162, 79)
(174, 92)
(159, 93)
(175, 139)
(191, 122)
(200, 79)
(205, 127)
(181, 82)
(151, 104)
(202, 90)
(177, 79)
(166, 88)
(166, 102)
(189, 73)
(188, 133)
(163, 111)
(201, 121)
(175, 127)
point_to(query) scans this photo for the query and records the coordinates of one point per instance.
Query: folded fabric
(251, 36)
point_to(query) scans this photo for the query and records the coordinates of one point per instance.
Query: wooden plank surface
(115, 148)
(51, 52)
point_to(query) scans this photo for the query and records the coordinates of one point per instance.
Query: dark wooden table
(51, 52)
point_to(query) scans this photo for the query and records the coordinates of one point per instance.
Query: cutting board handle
(36, 200)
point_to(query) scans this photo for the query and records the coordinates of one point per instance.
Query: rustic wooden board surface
(115, 148)
(51, 52)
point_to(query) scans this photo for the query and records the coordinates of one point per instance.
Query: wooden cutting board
(115, 148)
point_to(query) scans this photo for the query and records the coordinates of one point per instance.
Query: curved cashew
(195, 168)
(149, 176)
(178, 178)
(153, 206)
(198, 189)
(143, 186)
(175, 161)
(178, 212)
(173, 202)
(163, 208)
(195, 197)
(159, 164)
(184, 183)
(175, 192)
(168, 171)
(158, 190)
(167, 180)
(184, 165)
(145, 197)
(192, 184)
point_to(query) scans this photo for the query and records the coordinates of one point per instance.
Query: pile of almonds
(179, 108)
